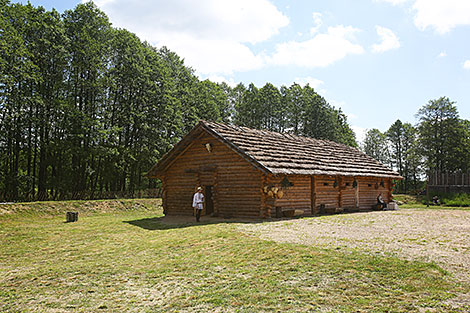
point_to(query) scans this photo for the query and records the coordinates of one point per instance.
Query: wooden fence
(447, 182)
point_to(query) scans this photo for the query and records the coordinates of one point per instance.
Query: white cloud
(211, 35)
(320, 51)
(360, 133)
(466, 65)
(443, 54)
(215, 56)
(221, 79)
(216, 37)
(317, 21)
(389, 40)
(311, 81)
(441, 15)
(393, 2)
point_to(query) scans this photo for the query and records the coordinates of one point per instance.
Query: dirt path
(440, 236)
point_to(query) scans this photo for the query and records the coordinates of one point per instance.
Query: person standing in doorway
(198, 200)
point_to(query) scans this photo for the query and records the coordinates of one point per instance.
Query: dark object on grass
(71, 217)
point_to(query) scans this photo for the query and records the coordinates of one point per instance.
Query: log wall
(236, 183)
(348, 193)
(369, 189)
(296, 196)
(324, 192)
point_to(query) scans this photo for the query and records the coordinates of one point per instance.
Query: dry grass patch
(84, 207)
(437, 236)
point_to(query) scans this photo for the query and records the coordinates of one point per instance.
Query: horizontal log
(307, 201)
(231, 205)
(241, 211)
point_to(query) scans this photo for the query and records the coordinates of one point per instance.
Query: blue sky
(379, 60)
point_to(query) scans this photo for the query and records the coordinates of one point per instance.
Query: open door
(209, 205)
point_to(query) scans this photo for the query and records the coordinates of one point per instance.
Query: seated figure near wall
(380, 202)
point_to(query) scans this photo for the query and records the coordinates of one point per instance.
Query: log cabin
(259, 174)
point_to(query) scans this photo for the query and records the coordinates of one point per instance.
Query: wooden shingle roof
(279, 153)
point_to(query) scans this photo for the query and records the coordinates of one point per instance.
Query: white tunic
(198, 200)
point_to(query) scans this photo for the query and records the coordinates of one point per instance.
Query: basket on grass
(71, 217)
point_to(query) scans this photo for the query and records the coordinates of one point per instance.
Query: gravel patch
(440, 236)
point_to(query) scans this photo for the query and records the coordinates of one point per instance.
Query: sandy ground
(440, 236)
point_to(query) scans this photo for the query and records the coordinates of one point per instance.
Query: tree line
(439, 142)
(86, 107)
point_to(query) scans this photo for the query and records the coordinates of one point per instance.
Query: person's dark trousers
(198, 214)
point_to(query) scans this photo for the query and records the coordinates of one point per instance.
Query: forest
(86, 109)
(440, 142)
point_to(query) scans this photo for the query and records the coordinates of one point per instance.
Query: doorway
(208, 199)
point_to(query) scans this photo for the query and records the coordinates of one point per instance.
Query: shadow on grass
(172, 222)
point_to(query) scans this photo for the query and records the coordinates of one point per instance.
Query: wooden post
(357, 194)
(340, 192)
(263, 207)
(164, 196)
(390, 189)
(313, 195)
(215, 195)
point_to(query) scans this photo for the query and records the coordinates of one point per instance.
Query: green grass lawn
(129, 261)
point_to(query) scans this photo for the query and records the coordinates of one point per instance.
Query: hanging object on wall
(285, 183)
(376, 186)
(382, 184)
(335, 183)
(355, 183)
(208, 147)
